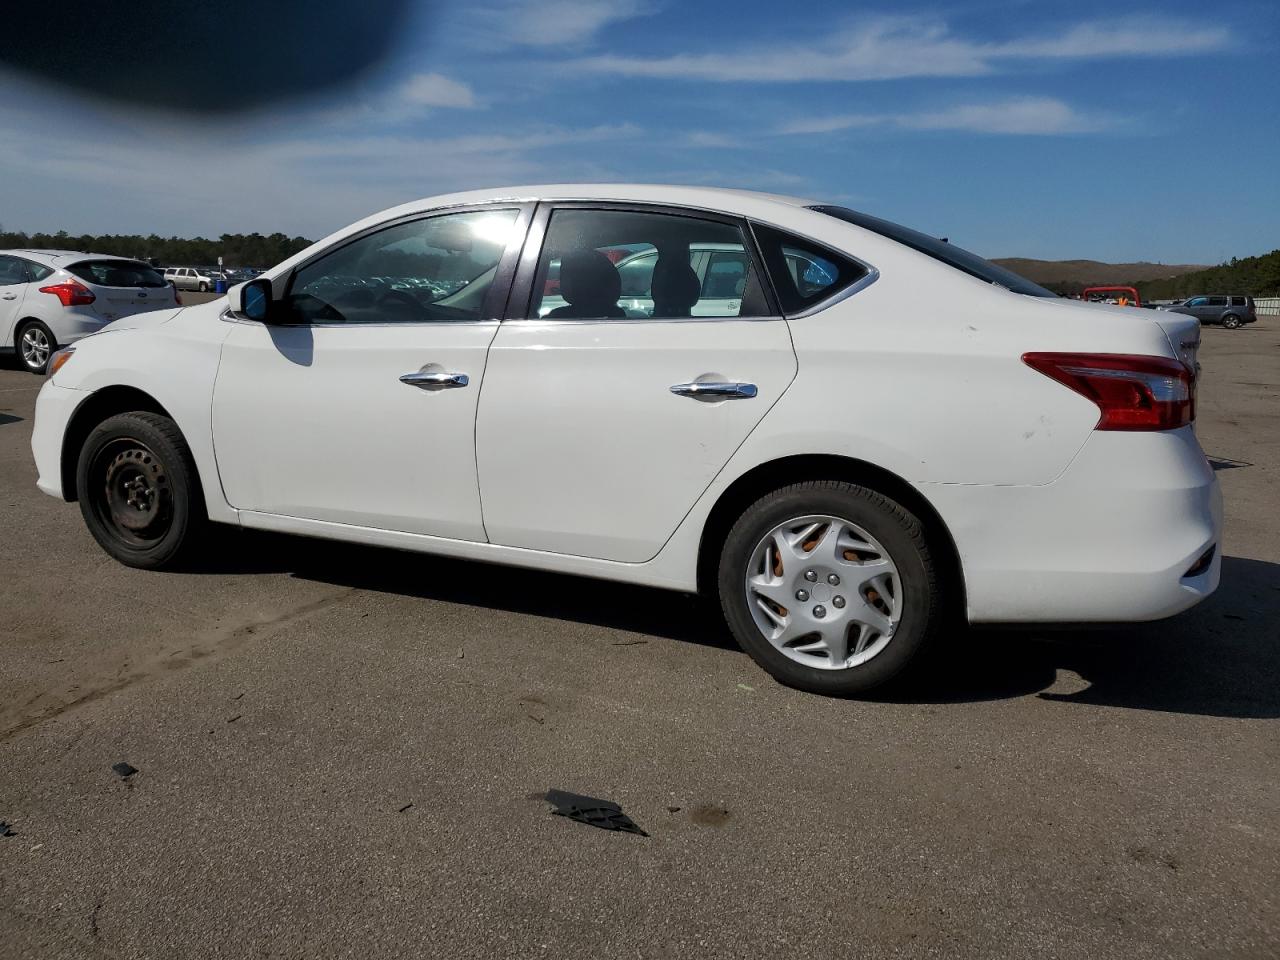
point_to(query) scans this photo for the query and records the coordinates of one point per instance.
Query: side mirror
(251, 300)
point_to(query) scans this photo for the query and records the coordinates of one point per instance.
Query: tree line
(236, 249)
(1250, 276)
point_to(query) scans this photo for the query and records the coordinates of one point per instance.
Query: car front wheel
(204, 287)
(35, 345)
(139, 491)
(830, 586)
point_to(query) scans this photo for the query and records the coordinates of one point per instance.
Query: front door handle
(435, 380)
(715, 390)
(11, 296)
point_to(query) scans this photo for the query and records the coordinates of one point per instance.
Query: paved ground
(340, 753)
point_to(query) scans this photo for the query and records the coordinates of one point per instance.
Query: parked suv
(202, 279)
(49, 298)
(1230, 312)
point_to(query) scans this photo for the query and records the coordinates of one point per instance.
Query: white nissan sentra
(849, 432)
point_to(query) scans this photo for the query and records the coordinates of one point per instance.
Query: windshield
(949, 254)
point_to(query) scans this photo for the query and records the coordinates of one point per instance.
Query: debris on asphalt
(238, 695)
(673, 809)
(405, 807)
(6, 830)
(743, 686)
(462, 654)
(124, 769)
(592, 811)
(628, 643)
(235, 718)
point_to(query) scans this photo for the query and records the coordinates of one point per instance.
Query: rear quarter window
(804, 273)
(117, 273)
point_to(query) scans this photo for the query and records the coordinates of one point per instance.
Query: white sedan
(881, 435)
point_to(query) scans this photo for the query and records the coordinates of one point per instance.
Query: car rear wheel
(35, 345)
(139, 491)
(1231, 321)
(830, 586)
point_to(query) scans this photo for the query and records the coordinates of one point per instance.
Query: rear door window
(617, 264)
(804, 273)
(1217, 301)
(117, 273)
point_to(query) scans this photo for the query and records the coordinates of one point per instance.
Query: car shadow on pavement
(6, 418)
(1221, 658)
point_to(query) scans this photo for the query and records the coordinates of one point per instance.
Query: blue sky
(1029, 128)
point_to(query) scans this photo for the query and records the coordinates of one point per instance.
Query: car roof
(59, 258)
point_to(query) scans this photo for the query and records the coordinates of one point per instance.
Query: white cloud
(1023, 115)
(1132, 36)
(896, 47)
(437, 90)
(1042, 116)
(551, 23)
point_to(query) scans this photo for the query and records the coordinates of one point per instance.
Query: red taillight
(71, 293)
(1132, 392)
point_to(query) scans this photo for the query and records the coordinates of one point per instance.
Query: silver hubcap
(35, 347)
(824, 592)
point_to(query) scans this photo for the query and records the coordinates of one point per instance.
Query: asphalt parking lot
(341, 751)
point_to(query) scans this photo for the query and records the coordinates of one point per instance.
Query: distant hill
(1250, 276)
(1087, 273)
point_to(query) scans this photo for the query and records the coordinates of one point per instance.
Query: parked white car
(50, 298)
(847, 457)
(200, 279)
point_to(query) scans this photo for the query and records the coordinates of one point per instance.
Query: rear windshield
(118, 273)
(949, 254)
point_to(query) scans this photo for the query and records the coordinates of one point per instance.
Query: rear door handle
(435, 380)
(715, 390)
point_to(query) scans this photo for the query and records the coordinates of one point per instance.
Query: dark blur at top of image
(208, 58)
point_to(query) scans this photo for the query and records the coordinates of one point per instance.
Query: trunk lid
(1184, 335)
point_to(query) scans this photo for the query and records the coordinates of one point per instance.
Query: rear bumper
(1110, 541)
(71, 325)
(54, 408)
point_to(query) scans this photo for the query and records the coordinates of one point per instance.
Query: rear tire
(830, 587)
(1231, 321)
(35, 344)
(139, 491)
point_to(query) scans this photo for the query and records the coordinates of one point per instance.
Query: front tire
(204, 287)
(36, 344)
(830, 587)
(139, 491)
(1231, 321)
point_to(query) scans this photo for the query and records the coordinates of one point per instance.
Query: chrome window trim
(617, 320)
(228, 317)
(857, 286)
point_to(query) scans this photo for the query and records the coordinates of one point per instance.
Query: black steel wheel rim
(131, 492)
